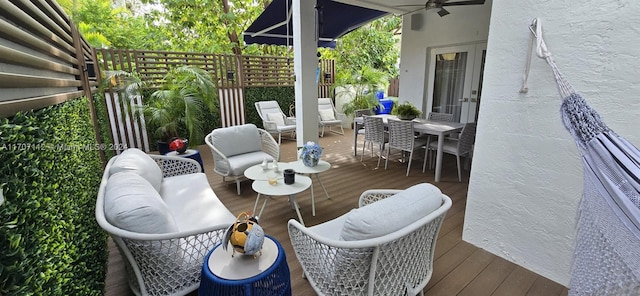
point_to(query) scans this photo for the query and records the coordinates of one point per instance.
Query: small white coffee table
(262, 187)
(300, 168)
(256, 172)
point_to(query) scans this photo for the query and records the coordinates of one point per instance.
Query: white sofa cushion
(239, 163)
(239, 139)
(327, 114)
(136, 161)
(131, 203)
(193, 203)
(392, 213)
(277, 118)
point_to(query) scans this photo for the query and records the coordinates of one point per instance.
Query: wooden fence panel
(394, 87)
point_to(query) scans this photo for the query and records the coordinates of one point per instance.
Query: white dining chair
(462, 147)
(374, 134)
(402, 137)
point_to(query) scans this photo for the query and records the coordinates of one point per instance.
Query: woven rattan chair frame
(324, 104)
(265, 107)
(221, 162)
(162, 264)
(374, 133)
(403, 137)
(462, 147)
(399, 263)
(440, 116)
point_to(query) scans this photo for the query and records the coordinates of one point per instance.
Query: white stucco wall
(526, 179)
(465, 24)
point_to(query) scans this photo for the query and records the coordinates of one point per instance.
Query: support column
(305, 62)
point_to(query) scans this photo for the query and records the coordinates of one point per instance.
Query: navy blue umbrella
(333, 20)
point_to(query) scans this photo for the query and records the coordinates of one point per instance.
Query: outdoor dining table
(430, 127)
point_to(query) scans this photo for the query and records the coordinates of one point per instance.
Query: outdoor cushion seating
(163, 217)
(328, 116)
(274, 120)
(385, 247)
(239, 147)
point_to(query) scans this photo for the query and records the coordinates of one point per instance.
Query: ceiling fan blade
(470, 2)
(442, 12)
(410, 12)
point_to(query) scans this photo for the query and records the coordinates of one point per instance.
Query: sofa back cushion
(392, 213)
(136, 161)
(239, 139)
(132, 204)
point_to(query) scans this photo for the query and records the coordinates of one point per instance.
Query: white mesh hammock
(606, 259)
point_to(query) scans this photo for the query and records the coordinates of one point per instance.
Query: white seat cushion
(327, 114)
(277, 118)
(392, 213)
(239, 163)
(193, 203)
(131, 203)
(136, 161)
(237, 139)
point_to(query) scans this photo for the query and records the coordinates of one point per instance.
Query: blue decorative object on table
(310, 153)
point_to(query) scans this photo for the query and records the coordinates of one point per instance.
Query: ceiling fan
(441, 4)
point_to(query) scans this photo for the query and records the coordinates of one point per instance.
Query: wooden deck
(459, 267)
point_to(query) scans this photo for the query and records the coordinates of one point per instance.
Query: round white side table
(263, 187)
(300, 168)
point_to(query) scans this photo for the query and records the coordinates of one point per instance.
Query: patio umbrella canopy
(333, 20)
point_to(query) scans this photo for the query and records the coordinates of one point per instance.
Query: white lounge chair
(274, 120)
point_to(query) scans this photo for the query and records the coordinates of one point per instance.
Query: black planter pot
(163, 147)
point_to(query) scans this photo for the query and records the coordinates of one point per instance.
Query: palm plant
(360, 86)
(187, 95)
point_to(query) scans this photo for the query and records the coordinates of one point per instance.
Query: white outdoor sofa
(164, 218)
(384, 247)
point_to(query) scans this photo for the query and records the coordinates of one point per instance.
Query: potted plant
(187, 95)
(359, 88)
(406, 111)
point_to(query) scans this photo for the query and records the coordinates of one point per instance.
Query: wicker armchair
(397, 263)
(168, 263)
(328, 116)
(274, 120)
(239, 147)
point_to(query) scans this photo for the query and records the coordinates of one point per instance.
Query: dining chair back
(374, 134)
(462, 147)
(274, 120)
(328, 116)
(440, 116)
(402, 137)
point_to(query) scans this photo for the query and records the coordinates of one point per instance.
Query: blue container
(385, 106)
(380, 95)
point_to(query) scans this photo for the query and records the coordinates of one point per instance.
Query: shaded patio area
(459, 267)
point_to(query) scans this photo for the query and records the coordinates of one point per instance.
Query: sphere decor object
(245, 235)
(310, 153)
(178, 144)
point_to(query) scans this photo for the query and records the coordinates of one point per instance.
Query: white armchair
(274, 120)
(328, 116)
(239, 147)
(385, 247)
(163, 217)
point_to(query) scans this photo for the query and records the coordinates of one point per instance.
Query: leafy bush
(51, 170)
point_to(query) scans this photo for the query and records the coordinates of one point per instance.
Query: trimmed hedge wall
(50, 171)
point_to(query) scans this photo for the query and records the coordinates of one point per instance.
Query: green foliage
(373, 45)
(51, 170)
(185, 101)
(285, 96)
(359, 86)
(406, 110)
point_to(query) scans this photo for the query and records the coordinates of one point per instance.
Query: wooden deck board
(458, 267)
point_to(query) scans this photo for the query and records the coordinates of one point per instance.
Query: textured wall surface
(526, 180)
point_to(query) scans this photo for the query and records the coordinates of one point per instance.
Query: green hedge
(50, 173)
(285, 96)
